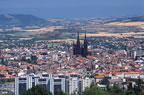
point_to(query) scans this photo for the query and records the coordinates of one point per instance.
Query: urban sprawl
(71, 67)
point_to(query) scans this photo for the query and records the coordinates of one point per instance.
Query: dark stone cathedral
(80, 50)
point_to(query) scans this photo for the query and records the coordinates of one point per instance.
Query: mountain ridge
(21, 20)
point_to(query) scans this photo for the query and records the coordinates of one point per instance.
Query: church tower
(79, 49)
(77, 46)
(85, 47)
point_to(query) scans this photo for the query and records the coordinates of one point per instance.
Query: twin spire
(78, 40)
(79, 49)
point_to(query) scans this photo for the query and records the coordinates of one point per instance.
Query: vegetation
(60, 93)
(39, 90)
(138, 89)
(95, 90)
(36, 90)
(28, 61)
(116, 90)
(6, 80)
(10, 93)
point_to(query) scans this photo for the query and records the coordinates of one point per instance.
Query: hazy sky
(73, 8)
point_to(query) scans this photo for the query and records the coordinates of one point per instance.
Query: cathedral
(80, 50)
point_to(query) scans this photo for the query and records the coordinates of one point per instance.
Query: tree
(116, 90)
(130, 92)
(95, 90)
(108, 86)
(139, 86)
(142, 92)
(10, 93)
(130, 86)
(105, 81)
(36, 90)
(6, 80)
(60, 93)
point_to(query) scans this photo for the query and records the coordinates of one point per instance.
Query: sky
(73, 8)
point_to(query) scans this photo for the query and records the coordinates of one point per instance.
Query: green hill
(20, 20)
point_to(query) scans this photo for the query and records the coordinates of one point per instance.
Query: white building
(73, 86)
(70, 84)
(86, 83)
(23, 83)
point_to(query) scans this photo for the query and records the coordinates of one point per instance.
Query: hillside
(137, 22)
(20, 20)
(28, 27)
(130, 19)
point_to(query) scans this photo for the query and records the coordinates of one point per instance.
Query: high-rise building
(79, 49)
(23, 83)
(73, 86)
(70, 84)
(59, 85)
(86, 83)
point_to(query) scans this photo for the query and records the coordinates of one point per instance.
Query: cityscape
(71, 54)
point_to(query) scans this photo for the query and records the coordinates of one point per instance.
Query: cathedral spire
(85, 39)
(78, 40)
(78, 35)
(85, 51)
(85, 34)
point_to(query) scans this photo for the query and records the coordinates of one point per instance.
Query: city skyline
(71, 47)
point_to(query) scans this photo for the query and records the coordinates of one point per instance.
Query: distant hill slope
(21, 20)
(130, 19)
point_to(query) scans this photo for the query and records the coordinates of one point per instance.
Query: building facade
(70, 84)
